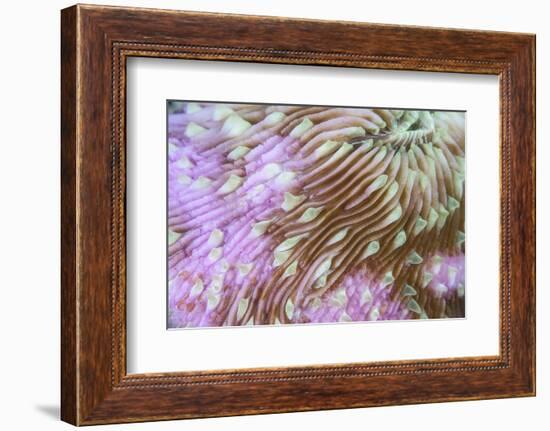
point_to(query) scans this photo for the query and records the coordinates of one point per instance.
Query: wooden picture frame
(96, 41)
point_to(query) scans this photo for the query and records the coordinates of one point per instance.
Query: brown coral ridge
(393, 189)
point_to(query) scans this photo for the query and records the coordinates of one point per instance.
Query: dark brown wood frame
(95, 43)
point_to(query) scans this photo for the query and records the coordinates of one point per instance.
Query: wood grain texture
(68, 217)
(96, 41)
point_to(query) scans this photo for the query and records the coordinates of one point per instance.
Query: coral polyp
(283, 214)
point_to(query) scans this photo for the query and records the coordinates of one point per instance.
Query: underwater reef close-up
(281, 214)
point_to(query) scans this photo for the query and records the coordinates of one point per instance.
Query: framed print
(325, 222)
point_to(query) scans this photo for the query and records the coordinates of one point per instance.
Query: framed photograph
(264, 214)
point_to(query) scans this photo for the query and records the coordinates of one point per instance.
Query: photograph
(285, 214)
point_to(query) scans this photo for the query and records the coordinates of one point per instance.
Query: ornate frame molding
(96, 42)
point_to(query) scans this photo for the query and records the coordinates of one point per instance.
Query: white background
(29, 228)
(151, 348)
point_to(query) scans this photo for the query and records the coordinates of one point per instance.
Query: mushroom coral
(283, 214)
